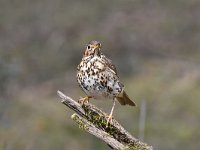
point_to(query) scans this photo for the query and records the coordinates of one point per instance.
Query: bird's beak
(98, 46)
(97, 49)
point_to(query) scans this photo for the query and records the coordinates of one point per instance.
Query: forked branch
(93, 120)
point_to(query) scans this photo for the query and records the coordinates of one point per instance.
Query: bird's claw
(109, 120)
(84, 100)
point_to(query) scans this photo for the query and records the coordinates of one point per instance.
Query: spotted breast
(98, 78)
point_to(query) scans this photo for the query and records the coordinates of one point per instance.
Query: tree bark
(93, 120)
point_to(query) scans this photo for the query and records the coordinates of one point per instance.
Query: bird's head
(93, 48)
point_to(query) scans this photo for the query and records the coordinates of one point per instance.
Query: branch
(93, 120)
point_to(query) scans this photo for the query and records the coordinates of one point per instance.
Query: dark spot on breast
(106, 82)
(110, 89)
(102, 83)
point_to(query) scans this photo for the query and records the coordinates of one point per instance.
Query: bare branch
(93, 120)
(89, 127)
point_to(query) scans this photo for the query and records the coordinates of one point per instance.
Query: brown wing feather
(124, 99)
(109, 64)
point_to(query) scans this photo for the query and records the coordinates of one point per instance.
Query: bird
(98, 78)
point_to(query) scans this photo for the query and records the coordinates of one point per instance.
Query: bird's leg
(84, 100)
(109, 119)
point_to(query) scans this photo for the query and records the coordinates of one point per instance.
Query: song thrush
(98, 78)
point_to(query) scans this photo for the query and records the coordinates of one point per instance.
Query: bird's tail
(124, 99)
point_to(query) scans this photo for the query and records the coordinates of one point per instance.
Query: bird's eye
(88, 47)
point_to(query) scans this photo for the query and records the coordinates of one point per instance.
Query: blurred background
(154, 44)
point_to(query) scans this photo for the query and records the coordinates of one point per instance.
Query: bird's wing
(109, 64)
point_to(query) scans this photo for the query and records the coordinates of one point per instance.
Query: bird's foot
(109, 119)
(84, 100)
